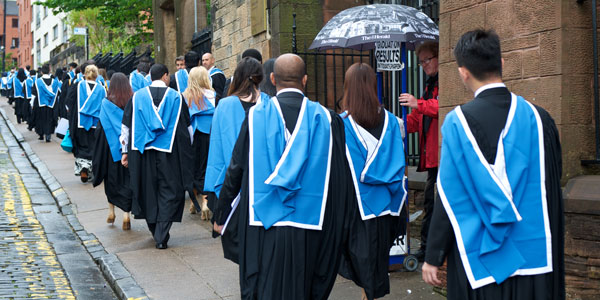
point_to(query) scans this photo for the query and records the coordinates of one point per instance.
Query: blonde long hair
(198, 81)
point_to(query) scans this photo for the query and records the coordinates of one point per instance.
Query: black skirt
(115, 176)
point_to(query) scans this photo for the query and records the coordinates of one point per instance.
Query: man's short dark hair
(143, 67)
(46, 69)
(192, 59)
(158, 71)
(32, 72)
(252, 53)
(479, 52)
(73, 65)
(180, 58)
(27, 67)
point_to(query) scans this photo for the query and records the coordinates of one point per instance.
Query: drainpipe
(4, 41)
(195, 16)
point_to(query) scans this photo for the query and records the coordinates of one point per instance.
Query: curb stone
(122, 282)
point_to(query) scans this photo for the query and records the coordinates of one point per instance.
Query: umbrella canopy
(361, 26)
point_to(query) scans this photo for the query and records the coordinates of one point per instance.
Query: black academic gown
(61, 103)
(83, 140)
(159, 180)
(286, 262)
(21, 111)
(366, 253)
(43, 117)
(200, 146)
(115, 176)
(486, 116)
(218, 84)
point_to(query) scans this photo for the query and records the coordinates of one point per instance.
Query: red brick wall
(547, 46)
(11, 32)
(25, 34)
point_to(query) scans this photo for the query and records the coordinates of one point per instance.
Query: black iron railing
(326, 70)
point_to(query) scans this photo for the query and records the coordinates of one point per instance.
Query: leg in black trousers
(160, 233)
(428, 208)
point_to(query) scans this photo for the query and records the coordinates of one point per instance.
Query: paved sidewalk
(193, 267)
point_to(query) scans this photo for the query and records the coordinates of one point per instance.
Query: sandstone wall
(546, 45)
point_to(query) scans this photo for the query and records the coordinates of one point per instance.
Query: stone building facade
(546, 45)
(175, 23)
(237, 25)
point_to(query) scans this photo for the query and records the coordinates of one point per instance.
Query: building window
(45, 39)
(38, 17)
(65, 32)
(15, 23)
(45, 12)
(15, 61)
(15, 43)
(55, 31)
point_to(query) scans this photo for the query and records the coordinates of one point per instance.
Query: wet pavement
(192, 267)
(40, 255)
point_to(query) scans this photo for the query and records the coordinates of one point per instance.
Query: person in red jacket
(424, 120)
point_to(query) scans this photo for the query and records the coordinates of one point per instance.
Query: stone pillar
(165, 37)
(582, 237)
(546, 45)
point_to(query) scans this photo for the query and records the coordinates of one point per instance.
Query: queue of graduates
(300, 193)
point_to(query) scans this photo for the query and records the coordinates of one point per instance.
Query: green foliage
(125, 23)
(8, 62)
(101, 37)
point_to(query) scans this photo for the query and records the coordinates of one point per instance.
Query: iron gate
(326, 70)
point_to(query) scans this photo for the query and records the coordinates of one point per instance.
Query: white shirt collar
(46, 76)
(294, 90)
(158, 83)
(489, 86)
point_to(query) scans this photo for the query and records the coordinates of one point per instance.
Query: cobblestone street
(41, 257)
(29, 268)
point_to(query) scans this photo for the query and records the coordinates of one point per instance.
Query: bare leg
(111, 214)
(193, 208)
(205, 210)
(126, 221)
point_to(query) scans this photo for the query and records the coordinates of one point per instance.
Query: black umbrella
(361, 26)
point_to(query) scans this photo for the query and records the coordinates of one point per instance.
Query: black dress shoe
(41, 138)
(161, 246)
(48, 138)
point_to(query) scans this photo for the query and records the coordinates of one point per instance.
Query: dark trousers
(428, 205)
(160, 231)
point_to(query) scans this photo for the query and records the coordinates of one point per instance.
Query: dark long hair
(266, 86)
(360, 95)
(21, 75)
(246, 78)
(119, 91)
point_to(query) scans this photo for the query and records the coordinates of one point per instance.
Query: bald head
(289, 72)
(208, 61)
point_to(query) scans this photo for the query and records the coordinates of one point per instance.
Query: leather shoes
(161, 246)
